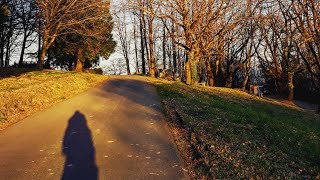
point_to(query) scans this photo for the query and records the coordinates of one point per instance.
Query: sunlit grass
(29, 92)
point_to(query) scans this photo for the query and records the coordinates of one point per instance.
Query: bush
(94, 71)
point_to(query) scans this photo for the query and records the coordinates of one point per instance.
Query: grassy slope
(33, 91)
(225, 133)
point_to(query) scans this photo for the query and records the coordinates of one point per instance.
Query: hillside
(226, 133)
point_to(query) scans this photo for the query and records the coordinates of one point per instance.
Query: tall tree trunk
(39, 42)
(290, 86)
(174, 52)
(174, 57)
(79, 65)
(220, 58)
(145, 40)
(2, 42)
(142, 44)
(41, 57)
(7, 59)
(188, 72)
(164, 47)
(169, 53)
(39, 46)
(178, 64)
(152, 64)
(23, 47)
(245, 81)
(245, 71)
(135, 42)
(191, 68)
(1, 54)
(128, 64)
(42, 50)
(188, 67)
(42, 44)
(210, 74)
(46, 43)
(9, 36)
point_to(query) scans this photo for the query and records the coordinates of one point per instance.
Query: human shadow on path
(80, 163)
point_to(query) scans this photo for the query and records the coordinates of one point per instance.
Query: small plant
(2, 119)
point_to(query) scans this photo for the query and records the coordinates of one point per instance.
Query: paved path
(114, 131)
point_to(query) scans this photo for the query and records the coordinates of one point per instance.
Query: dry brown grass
(31, 92)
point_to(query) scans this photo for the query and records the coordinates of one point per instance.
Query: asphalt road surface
(114, 131)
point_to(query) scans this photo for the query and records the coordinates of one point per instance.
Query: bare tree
(124, 37)
(306, 16)
(27, 17)
(116, 67)
(221, 42)
(198, 24)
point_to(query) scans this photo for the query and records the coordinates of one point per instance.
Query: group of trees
(17, 28)
(70, 34)
(230, 43)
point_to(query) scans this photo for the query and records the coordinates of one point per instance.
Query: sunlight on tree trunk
(188, 72)
(79, 66)
(290, 86)
(40, 62)
(210, 75)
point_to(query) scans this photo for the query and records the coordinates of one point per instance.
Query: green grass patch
(243, 136)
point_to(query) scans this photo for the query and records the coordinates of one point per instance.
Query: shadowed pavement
(114, 131)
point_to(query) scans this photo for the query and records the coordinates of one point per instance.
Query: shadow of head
(78, 150)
